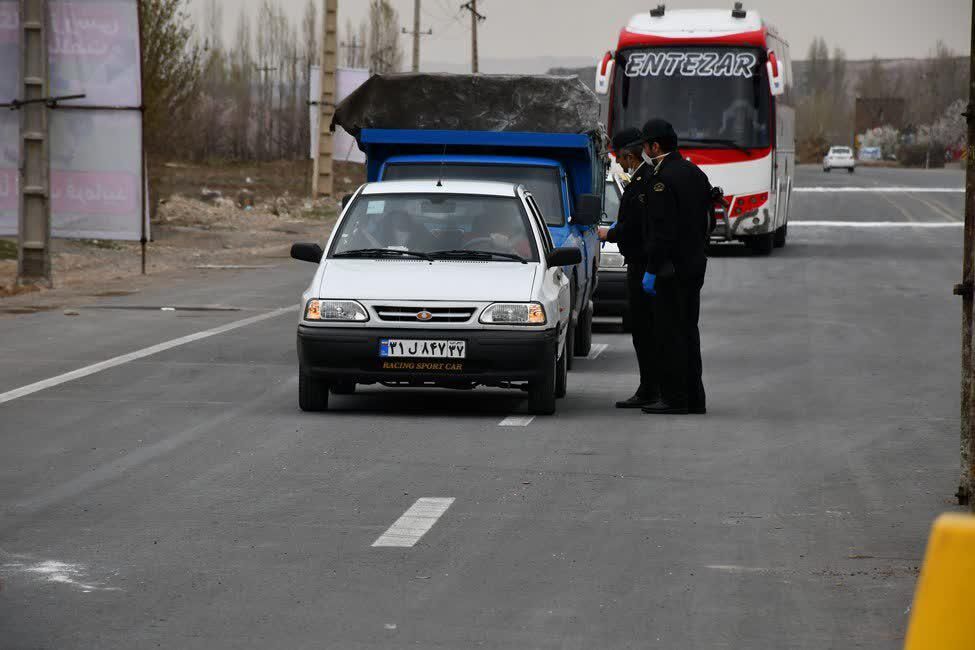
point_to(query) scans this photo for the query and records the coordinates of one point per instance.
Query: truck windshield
(545, 183)
(436, 225)
(718, 95)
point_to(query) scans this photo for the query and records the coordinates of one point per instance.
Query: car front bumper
(493, 357)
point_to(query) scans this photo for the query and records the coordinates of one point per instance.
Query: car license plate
(419, 349)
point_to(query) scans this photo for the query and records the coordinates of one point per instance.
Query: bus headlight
(514, 313)
(343, 311)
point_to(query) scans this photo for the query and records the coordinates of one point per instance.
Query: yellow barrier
(943, 615)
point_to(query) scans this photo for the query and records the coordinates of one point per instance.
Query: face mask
(647, 158)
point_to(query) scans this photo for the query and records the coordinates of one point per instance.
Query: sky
(577, 30)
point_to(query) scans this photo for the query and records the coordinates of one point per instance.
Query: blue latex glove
(649, 280)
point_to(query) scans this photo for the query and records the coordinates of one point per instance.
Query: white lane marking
(516, 421)
(877, 224)
(882, 189)
(415, 522)
(734, 568)
(72, 575)
(138, 354)
(597, 349)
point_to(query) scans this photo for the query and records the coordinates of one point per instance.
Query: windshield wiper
(723, 141)
(381, 252)
(462, 253)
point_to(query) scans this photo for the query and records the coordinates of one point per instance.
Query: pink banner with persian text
(93, 50)
(96, 174)
(9, 172)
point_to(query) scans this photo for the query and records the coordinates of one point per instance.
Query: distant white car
(839, 158)
(453, 284)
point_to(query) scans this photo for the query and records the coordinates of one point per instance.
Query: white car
(610, 298)
(454, 284)
(839, 158)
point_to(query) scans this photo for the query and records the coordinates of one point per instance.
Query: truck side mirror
(589, 210)
(304, 252)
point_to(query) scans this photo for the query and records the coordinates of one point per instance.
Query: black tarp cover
(461, 102)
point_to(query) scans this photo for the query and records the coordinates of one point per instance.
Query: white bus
(723, 78)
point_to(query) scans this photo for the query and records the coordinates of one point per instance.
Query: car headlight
(345, 311)
(516, 313)
(611, 261)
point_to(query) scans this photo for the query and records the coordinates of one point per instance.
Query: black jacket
(679, 209)
(630, 225)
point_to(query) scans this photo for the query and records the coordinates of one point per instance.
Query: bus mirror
(604, 74)
(776, 75)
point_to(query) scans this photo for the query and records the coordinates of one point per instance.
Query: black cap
(627, 139)
(658, 130)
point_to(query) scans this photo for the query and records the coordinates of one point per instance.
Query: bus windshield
(715, 97)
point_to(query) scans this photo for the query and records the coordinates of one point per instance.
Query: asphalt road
(181, 500)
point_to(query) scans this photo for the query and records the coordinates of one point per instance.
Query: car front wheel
(312, 393)
(541, 392)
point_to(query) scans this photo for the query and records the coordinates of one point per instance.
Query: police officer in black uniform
(675, 237)
(628, 233)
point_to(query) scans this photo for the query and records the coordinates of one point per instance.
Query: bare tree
(385, 54)
(171, 72)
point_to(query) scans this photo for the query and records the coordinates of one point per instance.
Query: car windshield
(544, 183)
(436, 225)
(612, 211)
(716, 95)
(842, 151)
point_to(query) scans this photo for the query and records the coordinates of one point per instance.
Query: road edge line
(114, 362)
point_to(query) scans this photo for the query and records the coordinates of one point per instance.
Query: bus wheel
(761, 244)
(780, 236)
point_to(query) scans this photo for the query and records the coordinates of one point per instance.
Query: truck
(541, 132)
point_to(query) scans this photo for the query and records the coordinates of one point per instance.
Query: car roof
(446, 186)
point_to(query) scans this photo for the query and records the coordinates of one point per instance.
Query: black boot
(640, 399)
(660, 407)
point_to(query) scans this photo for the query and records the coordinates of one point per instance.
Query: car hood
(420, 280)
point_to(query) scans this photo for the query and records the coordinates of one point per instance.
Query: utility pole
(967, 291)
(323, 179)
(416, 35)
(476, 18)
(34, 231)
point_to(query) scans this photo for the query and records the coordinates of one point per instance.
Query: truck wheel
(562, 374)
(761, 244)
(583, 335)
(541, 393)
(312, 393)
(343, 388)
(780, 236)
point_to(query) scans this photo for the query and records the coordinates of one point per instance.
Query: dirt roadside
(213, 217)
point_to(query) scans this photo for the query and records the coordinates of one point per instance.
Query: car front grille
(420, 314)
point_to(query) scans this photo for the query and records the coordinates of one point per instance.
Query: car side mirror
(346, 199)
(589, 209)
(304, 252)
(564, 257)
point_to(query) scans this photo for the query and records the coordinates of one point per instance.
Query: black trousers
(677, 312)
(642, 330)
